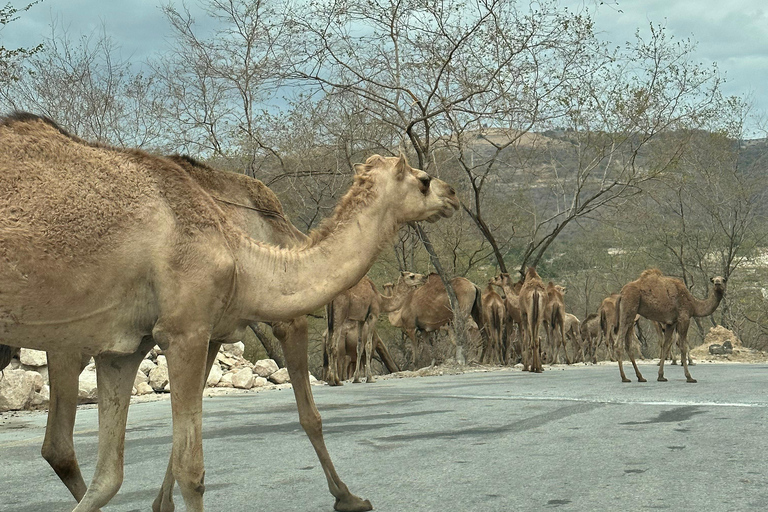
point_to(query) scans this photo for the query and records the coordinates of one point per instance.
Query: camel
(347, 352)
(666, 300)
(427, 308)
(554, 321)
(533, 303)
(107, 251)
(494, 317)
(590, 329)
(361, 305)
(513, 324)
(250, 205)
(609, 323)
(572, 328)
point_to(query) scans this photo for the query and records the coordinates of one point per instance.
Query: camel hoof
(352, 503)
(692, 381)
(662, 379)
(625, 380)
(370, 380)
(641, 379)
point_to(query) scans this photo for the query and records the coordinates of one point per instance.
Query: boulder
(215, 376)
(87, 392)
(29, 357)
(259, 382)
(140, 377)
(42, 370)
(17, 390)
(243, 379)
(42, 397)
(146, 366)
(280, 376)
(716, 349)
(265, 367)
(225, 381)
(233, 349)
(143, 388)
(158, 377)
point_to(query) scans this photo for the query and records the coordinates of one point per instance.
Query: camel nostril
(451, 191)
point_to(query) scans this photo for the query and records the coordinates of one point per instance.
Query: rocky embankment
(24, 384)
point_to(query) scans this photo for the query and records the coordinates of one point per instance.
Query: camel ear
(360, 168)
(402, 167)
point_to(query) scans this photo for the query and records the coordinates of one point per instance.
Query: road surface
(570, 439)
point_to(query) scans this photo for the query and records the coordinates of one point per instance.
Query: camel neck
(280, 284)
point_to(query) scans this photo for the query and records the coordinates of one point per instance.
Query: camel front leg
(368, 330)
(565, 345)
(164, 500)
(628, 348)
(682, 343)
(58, 447)
(294, 338)
(114, 377)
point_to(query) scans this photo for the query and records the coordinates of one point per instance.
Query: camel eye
(425, 181)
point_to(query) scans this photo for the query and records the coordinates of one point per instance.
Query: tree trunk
(271, 346)
(458, 325)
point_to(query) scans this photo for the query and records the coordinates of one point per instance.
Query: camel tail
(6, 354)
(535, 316)
(477, 310)
(618, 316)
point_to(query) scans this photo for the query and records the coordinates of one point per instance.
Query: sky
(731, 33)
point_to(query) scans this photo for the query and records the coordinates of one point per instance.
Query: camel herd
(106, 252)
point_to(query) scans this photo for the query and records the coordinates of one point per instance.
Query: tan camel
(609, 323)
(427, 308)
(494, 317)
(251, 206)
(361, 305)
(590, 333)
(554, 322)
(533, 303)
(513, 324)
(572, 327)
(347, 354)
(666, 300)
(131, 247)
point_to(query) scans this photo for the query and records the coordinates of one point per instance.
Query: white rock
(215, 376)
(37, 380)
(42, 397)
(226, 381)
(233, 349)
(140, 377)
(42, 370)
(280, 376)
(146, 366)
(265, 367)
(17, 390)
(31, 357)
(259, 382)
(161, 361)
(87, 392)
(158, 377)
(144, 388)
(243, 379)
(167, 388)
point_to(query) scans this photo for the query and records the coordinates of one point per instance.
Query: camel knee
(312, 423)
(190, 479)
(61, 457)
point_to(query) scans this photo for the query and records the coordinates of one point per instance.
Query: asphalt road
(571, 439)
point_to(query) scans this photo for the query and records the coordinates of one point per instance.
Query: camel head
(419, 196)
(412, 278)
(531, 273)
(719, 283)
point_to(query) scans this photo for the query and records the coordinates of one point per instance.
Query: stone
(215, 376)
(146, 366)
(716, 349)
(259, 382)
(37, 380)
(42, 370)
(30, 357)
(226, 381)
(87, 392)
(143, 388)
(233, 349)
(161, 361)
(243, 379)
(158, 377)
(280, 376)
(42, 397)
(140, 377)
(728, 347)
(265, 367)
(17, 390)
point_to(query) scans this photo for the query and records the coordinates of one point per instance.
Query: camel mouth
(450, 205)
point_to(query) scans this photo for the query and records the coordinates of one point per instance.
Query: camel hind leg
(58, 447)
(294, 340)
(665, 346)
(682, 343)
